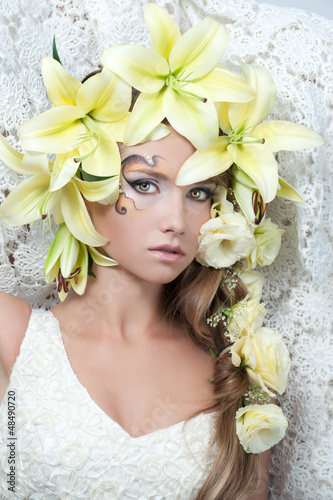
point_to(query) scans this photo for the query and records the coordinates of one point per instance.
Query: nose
(173, 216)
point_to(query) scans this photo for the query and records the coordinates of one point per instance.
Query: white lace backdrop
(297, 48)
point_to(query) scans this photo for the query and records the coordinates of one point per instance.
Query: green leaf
(90, 265)
(55, 54)
(92, 178)
(212, 352)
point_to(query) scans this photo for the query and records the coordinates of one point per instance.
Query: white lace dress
(67, 447)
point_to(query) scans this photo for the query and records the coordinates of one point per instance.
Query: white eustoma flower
(265, 357)
(268, 242)
(244, 318)
(259, 427)
(254, 282)
(225, 238)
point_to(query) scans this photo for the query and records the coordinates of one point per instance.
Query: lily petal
(57, 214)
(202, 166)
(146, 115)
(199, 50)
(222, 85)
(115, 130)
(164, 32)
(79, 285)
(36, 163)
(77, 218)
(241, 177)
(55, 131)
(61, 87)
(100, 259)
(100, 190)
(52, 273)
(56, 247)
(258, 163)
(105, 96)
(261, 106)
(63, 170)
(222, 109)
(143, 68)
(106, 159)
(11, 157)
(288, 136)
(22, 205)
(287, 192)
(69, 256)
(158, 133)
(28, 163)
(243, 195)
(194, 119)
(245, 198)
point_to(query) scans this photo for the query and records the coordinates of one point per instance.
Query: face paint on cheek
(124, 203)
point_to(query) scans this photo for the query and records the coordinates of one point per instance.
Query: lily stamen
(241, 141)
(94, 133)
(172, 82)
(191, 95)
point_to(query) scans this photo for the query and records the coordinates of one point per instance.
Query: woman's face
(154, 226)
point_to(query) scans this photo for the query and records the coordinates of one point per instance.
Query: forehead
(173, 150)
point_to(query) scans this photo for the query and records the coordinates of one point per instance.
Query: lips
(169, 249)
(167, 253)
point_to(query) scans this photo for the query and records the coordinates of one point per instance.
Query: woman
(151, 231)
(139, 365)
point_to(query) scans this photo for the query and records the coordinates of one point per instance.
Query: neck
(119, 302)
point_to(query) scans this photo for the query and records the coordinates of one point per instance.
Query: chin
(154, 276)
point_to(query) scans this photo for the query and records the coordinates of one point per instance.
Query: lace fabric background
(297, 48)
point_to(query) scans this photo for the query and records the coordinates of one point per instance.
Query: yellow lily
(250, 144)
(32, 198)
(178, 78)
(87, 121)
(68, 261)
(249, 198)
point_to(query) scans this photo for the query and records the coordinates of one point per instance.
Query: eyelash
(209, 194)
(135, 185)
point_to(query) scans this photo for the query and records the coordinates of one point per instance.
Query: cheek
(199, 216)
(124, 227)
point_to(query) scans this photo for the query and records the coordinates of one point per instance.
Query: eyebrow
(152, 173)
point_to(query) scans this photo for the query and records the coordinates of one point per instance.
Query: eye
(200, 194)
(144, 186)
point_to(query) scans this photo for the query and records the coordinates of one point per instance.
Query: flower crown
(179, 78)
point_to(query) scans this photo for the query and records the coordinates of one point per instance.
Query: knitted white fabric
(297, 48)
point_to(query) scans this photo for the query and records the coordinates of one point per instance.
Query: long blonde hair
(190, 299)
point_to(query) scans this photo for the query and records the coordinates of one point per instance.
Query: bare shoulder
(14, 318)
